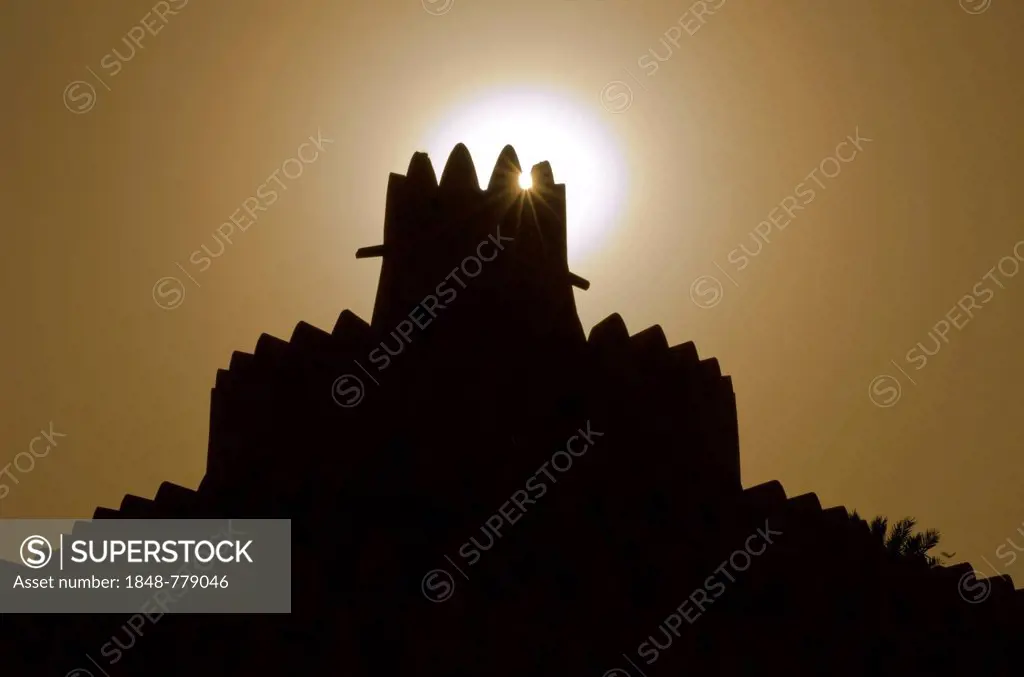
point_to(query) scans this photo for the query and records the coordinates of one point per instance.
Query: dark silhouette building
(479, 488)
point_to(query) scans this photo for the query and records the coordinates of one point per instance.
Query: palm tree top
(900, 541)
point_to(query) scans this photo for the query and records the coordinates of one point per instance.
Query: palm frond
(879, 526)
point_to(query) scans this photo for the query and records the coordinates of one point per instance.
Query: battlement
(466, 424)
(433, 229)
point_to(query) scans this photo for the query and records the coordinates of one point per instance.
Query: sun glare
(543, 125)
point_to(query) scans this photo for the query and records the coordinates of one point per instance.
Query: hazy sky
(866, 154)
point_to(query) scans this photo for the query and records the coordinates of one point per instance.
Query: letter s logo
(438, 585)
(168, 293)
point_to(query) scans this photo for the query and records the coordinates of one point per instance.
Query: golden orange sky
(807, 190)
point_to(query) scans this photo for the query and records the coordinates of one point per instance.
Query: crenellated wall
(469, 412)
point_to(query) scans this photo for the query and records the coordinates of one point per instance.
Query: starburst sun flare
(543, 126)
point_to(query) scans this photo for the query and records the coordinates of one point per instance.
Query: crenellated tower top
(432, 228)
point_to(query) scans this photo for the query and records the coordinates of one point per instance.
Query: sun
(543, 125)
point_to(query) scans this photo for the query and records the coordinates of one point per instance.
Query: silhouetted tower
(444, 233)
(385, 487)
